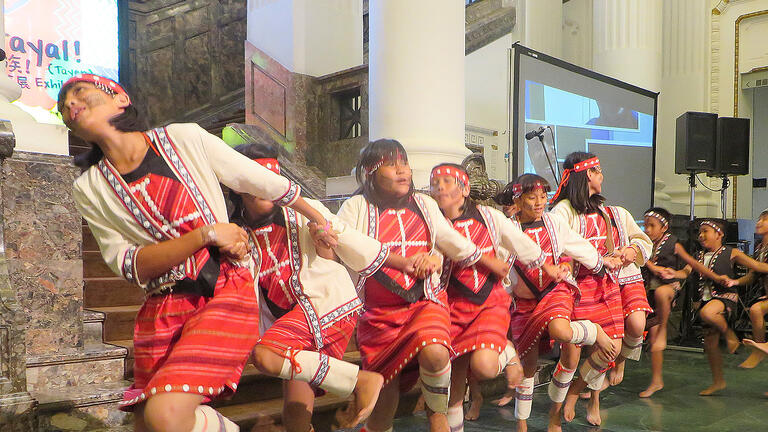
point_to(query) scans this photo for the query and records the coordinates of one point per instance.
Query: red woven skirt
(391, 337)
(531, 318)
(191, 344)
(291, 331)
(600, 302)
(634, 298)
(483, 326)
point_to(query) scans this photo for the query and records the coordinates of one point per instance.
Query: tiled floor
(678, 407)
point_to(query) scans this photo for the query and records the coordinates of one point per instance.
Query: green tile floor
(678, 407)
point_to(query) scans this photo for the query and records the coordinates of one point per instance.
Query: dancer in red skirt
(154, 204)
(405, 318)
(308, 302)
(578, 201)
(478, 302)
(542, 305)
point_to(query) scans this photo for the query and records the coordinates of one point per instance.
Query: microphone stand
(546, 153)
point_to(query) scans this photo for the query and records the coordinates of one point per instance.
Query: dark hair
(576, 190)
(719, 222)
(251, 151)
(130, 120)
(663, 212)
(468, 201)
(370, 155)
(507, 195)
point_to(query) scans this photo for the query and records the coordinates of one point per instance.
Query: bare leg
(298, 403)
(459, 369)
(712, 315)
(475, 397)
(634, 325)
(384, 412)
(762, 346)
(171, 412)
(757, 316)
(658, 338)
(570, 359)
(593, 409)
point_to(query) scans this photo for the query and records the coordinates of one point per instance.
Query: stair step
(94, 265)
(93, 364)
(111, 291)
(89, 407)
(93, 326)
(119, 321)
(89, 241)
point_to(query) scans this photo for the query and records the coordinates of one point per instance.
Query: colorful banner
(49, 41)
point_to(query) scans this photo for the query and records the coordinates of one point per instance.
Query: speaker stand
(692, 184)
(724, 194)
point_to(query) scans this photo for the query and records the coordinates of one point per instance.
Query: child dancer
(405, 319)
(544, 306)
(666, 251)
(719, 301)
(309, 305)
(758, 310)
(578, 200)
(154, 204)
(478, 302)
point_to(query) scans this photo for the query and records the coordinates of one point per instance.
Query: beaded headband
(713, 225)
(517, 188)
(102, 83)
(577, 167)
(370, 169)
(658, 216)
(269, 163)
(451, 171)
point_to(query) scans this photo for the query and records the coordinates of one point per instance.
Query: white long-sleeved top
(629, 232)
(201, 162)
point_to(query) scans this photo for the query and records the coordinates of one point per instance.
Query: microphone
(534, 133)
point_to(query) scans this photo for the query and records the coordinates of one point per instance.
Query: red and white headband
(102, 83)
(447, 170)
(658, 216)
(713, 225)
(517, 188)
(370, 169)
(577, 167)
(270, 164)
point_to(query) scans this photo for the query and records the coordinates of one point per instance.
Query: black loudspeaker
(732, 147)
(696, 135)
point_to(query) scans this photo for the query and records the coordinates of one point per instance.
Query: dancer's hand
(322, 233)
(628, 255)
(555, 272)
(667, 273)
(604, 345)
(423, 264)
(726, 281)
(612, 262)
(231, 240)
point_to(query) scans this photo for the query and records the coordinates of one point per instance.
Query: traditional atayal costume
(309, 305)
(199, 321)
(719, 261)
(403, 314)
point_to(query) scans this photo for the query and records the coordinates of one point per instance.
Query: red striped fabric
(633, 298)
(391, 337)
(474, 276)
(530, 319)
(275, 264)
(483, 326)
(291, 331)
(600, 303)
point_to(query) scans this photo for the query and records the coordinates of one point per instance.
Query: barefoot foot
(616, 374)
(569, 407)
(593, 411)
(652, 388)
(555, 424)
(732, 341)
(762, 346)
(366, 393)
(474, 409)
(508, 397)
(714, 388)
(522, 426)
(753, 360)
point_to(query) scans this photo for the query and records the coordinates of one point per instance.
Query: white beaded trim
(411, 355)
(186, 388)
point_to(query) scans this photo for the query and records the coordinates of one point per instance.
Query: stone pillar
(627, 41)
(416, 81)
(543, 26)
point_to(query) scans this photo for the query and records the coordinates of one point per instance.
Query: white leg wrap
(584, 332)
(631, 347)
(208, 419)
(592, 371)
(435, 388)
(524, 399)
(319, 370)
(561, 381)
(456, 418)
(506, 356)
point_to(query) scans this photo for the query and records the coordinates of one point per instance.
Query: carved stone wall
(183, 59)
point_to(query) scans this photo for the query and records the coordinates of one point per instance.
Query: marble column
(627, 41)
(416, 80)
